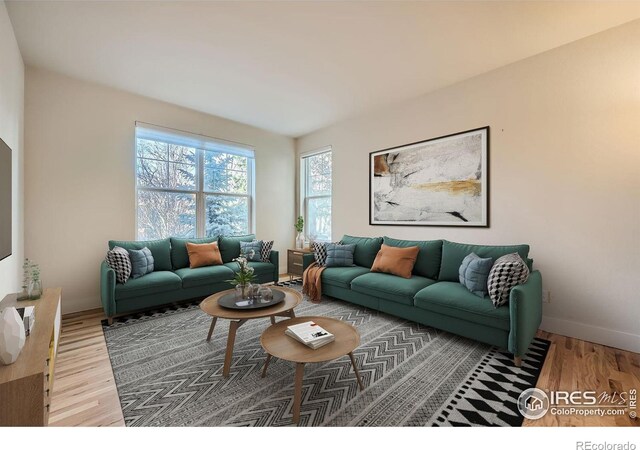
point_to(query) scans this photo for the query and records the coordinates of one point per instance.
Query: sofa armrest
(525, 308)
(274, 258)
(307, 259)
(108, 289)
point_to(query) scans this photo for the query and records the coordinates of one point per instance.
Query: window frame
(201, 144)
(304, 187)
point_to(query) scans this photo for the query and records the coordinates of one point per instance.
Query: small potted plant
(299, 225)
(243, 278)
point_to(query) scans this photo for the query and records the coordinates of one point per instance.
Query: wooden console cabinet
(26, 385)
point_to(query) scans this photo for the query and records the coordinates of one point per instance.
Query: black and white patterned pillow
(118, 259)
(320, 252)
(508, 271)
(265, 251)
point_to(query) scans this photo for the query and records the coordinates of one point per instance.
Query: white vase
(11, 335)
(300, 240)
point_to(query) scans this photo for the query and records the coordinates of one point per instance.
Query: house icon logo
(533, 403)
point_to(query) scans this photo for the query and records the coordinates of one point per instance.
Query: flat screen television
(5, 200)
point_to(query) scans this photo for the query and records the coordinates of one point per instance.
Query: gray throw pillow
(339, 255)
(508, 271)
(141, 262)
(251, 250)
(474, 272)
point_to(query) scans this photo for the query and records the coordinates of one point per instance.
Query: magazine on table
(310, 333)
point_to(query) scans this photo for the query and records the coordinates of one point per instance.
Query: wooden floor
(85, 393)
(573, 365)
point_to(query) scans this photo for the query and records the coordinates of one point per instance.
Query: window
(316, 193)
(191, 186)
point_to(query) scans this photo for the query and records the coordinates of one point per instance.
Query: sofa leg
(109, 321)
(517, 361)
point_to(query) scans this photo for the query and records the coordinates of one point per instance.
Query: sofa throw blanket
(312, 282)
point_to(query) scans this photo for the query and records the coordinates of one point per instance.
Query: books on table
(310, 333)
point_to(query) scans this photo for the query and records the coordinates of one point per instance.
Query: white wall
(565, 164)
(11, 131)
(79, 176)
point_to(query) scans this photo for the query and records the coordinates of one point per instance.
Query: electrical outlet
(546, 297)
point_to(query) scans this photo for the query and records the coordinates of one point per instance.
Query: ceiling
(294, 67)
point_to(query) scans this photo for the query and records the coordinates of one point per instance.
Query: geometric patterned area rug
(168, 375)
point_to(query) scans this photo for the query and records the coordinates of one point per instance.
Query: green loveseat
(433, 295)
(172, 280)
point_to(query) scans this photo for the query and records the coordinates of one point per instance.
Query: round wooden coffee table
(240, 316)
(279, 345)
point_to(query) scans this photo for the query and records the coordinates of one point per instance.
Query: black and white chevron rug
(168, 375)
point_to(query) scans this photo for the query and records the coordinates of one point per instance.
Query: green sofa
(172, 280)
(433, 295)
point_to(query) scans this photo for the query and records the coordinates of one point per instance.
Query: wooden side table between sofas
(279, 345)
(294, 261)
(240, 316)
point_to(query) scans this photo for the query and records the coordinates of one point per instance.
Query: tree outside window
(190, 191)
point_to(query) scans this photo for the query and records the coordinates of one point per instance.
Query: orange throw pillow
(397, 261)
(201, 255)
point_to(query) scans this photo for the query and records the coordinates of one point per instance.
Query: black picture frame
(455, 221)
(6, 197)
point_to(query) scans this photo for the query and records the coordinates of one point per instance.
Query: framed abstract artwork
(442, 181)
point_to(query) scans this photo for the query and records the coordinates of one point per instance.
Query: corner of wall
(12, 132)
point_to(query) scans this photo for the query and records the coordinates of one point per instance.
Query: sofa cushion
(119, 261)
(453, 299)
(230, 246)
(202, 255)
(428, 261)
(339, 255)
(141, 262)
(366, 249)
(179, 254)
(390, 287)
(251, 250)
(474, 272)
(453, 253)
(201, 276)
(151, 283)
(160, 249)
(397, 261)
(259, 268)
(265, 251)
(507, 272)
(342, 276)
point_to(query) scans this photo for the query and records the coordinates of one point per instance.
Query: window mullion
(200, 220)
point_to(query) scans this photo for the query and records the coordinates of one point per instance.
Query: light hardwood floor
(85, 393)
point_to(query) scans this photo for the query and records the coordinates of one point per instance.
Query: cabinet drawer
(295, 262)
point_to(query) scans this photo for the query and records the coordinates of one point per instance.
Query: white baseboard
(591, 333)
